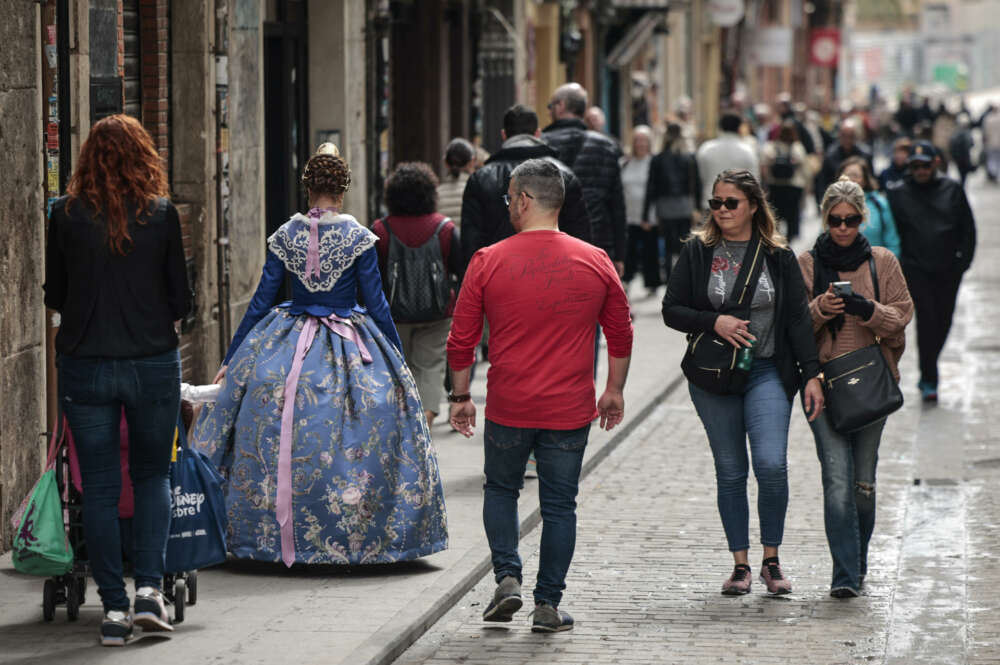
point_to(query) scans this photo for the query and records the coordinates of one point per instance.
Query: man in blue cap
(938, 237)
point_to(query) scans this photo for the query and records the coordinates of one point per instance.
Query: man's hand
(813, 398)
(620, 268)
(462, 416)
(611, 407)
(221, 375)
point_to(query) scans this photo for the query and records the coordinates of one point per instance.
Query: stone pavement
(259, 613)
(651, 555)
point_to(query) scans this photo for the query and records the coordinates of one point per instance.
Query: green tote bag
(40, 543)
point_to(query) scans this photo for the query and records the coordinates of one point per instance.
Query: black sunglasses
(731, 203)
(852, 221)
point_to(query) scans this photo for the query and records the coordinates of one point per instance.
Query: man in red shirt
(542, 292)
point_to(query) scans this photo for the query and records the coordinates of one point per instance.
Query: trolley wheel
(49, 600)
(180, 593)
(72, 599)
(81, 588)
(192, 585)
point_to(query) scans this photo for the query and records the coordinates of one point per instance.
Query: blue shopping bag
(197, 511)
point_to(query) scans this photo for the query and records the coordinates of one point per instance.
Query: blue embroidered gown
(364, 480)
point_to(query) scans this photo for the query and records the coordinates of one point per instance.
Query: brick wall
(154, 40)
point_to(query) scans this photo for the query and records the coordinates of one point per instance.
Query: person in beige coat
(842, 325)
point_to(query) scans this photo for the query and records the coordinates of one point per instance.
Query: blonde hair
(763, 219)
(846, 191)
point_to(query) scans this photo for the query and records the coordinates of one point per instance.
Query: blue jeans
(848, 462)
(92, 392)
(762, 412)
(560, 457)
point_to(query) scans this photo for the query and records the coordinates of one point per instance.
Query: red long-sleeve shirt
(542, 292)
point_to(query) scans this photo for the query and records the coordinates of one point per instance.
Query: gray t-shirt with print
(727, 258)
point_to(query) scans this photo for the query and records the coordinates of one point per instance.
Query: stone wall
(22, 230)
(246, 154)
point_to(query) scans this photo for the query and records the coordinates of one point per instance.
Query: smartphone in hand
(842, 289)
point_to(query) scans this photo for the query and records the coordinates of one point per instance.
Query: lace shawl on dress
(341, 240)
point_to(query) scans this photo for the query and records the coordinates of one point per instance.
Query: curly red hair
(118, 166)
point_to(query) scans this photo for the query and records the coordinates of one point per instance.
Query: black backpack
(416, 281)
(783, 167)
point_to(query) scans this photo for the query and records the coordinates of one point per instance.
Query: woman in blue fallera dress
(318, 426)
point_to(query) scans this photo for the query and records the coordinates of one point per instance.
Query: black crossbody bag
(710, 361)
(859, 386)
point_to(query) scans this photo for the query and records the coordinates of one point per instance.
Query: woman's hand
(830, 304)
(221, 375)
(733, 330)
(813, 398)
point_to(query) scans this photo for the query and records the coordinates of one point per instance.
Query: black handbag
(859, 386)
(710, 361)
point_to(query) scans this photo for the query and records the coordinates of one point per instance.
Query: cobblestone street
(651, 556)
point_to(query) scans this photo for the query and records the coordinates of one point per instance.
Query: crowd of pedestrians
(322, 425)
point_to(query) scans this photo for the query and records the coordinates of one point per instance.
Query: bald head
(594, 119)
(568, 101)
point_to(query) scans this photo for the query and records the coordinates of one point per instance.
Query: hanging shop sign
(824, 47)
(725, 13)
(772, 46)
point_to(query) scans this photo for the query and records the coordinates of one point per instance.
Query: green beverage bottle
(744, 360)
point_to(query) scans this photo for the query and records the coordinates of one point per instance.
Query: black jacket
(671, 174)
(593, 157)
(485, 218)
(686, 307)
(937, 232)
(111, 305)
(834, 157)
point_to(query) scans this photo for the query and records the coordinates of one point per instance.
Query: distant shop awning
(635, 38)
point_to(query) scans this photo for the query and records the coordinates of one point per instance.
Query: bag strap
(749, 275)
(56, 442)
(385, 223)
(437, 231)
(871, 265)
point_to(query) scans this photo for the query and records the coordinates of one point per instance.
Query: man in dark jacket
(593, 157)
(938, 237)
(485, 218)
(847, 145)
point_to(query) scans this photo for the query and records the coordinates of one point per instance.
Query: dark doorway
(286, 120)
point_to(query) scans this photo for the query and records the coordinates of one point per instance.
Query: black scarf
(829, 258)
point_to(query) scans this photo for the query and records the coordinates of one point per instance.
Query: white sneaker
(151, 610)
(116, 628)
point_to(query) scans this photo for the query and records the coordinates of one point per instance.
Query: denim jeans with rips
(761, 413)
(848, 464)
(92, 393)
(559, 454)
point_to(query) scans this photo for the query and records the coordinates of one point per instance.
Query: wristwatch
(456, 399)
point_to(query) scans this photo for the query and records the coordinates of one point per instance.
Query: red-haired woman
(115, 272)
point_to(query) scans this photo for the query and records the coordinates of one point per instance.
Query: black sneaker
(116, 628)
(506, 601)
(548, 619)
(151, 610)
(844, 592)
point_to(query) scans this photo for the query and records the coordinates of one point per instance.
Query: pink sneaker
(738, 583)
(771, 576)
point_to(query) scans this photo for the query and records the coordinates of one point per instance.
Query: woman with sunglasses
(779, 332)
(842, 324)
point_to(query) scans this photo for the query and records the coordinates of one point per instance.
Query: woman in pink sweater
(842, 325)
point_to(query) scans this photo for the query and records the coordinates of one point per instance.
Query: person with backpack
(785, 171)
(318, 425)
(420, 258)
